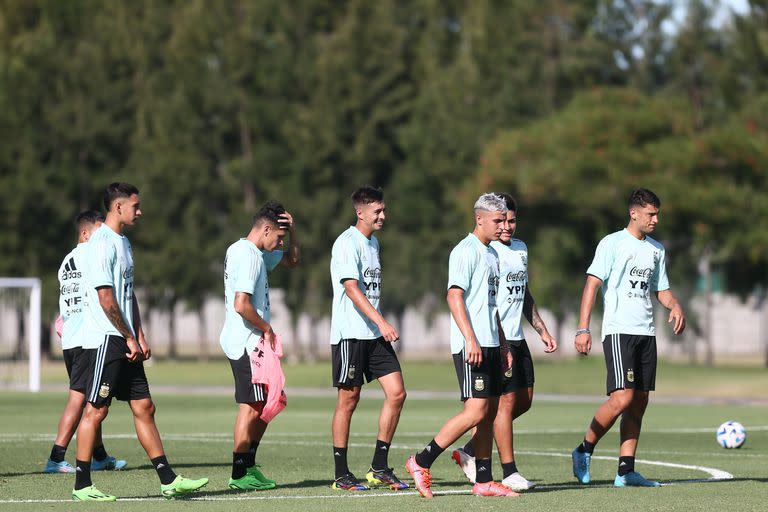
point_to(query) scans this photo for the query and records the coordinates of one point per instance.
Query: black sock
(469, 448)
(508, 468)
(82, 474)
(626, 465)
(380, 455)
(251, 460)
(427, 456)
(164, 471)
(99, 453)
(58, 453)
(586, 447)
(483, 474)
(239, 464)
(340, 460)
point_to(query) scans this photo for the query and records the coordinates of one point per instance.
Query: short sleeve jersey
(631, 270)
(513, 267)
(109, 262)
(474, 267)
(245, 271)
(354, 256)
(72, 297)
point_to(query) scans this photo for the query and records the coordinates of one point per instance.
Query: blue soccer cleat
(581, 462)
(58, 467)
(108, 464)
(634, 479)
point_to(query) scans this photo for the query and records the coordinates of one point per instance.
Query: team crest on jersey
(104, 391)
(351, 372)
(479, 384)
(630, 375)
(524, 259)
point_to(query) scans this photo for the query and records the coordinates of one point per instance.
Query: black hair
(118, 190)
(88, 218)
(270, 212)
(509, 201)
(367, 195)
(642, 197)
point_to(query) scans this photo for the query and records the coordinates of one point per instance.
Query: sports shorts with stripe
(76, 361)
(246, 392)
(482, 381)
(111, 374)
(520, 376)
(630, 361)
(351, 359)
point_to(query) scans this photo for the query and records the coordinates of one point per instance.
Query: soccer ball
(731, 434)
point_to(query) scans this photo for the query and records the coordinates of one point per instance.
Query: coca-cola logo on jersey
(517, 276)
(374, 273)
(70, 288)
(641, 272)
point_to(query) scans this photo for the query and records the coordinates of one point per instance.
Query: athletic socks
(428, 455)
(99, 453)
(240, 464)
(164, 471)
(82, 474)
(626, 465)
(58, 453)
(340, 460)
(508, 468)
(586, 447)
(251, 460)
(380, 455)
(469, 448)
(483, 474)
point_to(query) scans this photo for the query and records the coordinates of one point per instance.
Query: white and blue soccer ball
(731, 434)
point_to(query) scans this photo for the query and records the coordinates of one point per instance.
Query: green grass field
(677, 446)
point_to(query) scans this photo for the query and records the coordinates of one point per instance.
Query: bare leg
(247, 426)
(346, 403)
(146, 429)
(475, 409)
(70, 418)
(87, 430)
(394, 398)
(608, 413)
(483, 438)
(631, 422)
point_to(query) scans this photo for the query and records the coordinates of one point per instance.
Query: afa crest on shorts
(630, 375)
(104, 391)
(479, 384)
(351, 372)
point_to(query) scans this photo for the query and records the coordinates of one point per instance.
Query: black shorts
(111, 374)
(246, 392)
(631, 362)
(76, 360)
(484, 381)
(520, 376)
(351, 359)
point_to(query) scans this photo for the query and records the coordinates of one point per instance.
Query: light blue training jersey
(474, 267)
(245, 271)
(72, 297)
(631, 270)
(354, 256)
(109, 262)
(513, 267)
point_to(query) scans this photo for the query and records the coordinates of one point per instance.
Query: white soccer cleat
(466, 462)
(518, 482)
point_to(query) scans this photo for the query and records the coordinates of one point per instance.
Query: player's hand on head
(550, 343)
(286, 221)
(677, 319)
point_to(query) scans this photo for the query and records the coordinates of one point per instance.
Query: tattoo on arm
(116, 317)
(531, 313)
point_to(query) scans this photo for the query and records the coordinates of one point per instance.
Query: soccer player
(246, 299)
(361, 342)
(71, 303)
(473, 284)
(629, 265)
(116, 347)
(515, 301)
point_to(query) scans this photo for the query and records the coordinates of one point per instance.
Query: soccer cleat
(181, 486)
(348, 482)
(581, 462)
(518, 482)
(422, 478)
(256, 472)
(58, 467)
(634, 479)
(91, 493)
(250, 482)
(492, 489)
(466, 462)
(108, 464)
(385, 478)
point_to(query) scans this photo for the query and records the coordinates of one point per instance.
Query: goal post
(32, 320)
